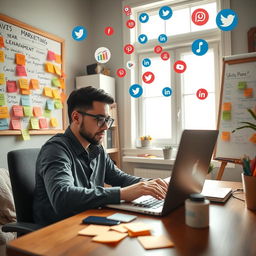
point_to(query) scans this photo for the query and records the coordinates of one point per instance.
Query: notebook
(188, 174)
(216, 194)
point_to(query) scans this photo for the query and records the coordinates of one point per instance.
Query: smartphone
(100, 221)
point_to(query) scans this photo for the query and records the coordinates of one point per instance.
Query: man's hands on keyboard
(156, 188)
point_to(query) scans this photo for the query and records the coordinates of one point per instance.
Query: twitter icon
(227, 19)
(135, 90)
(79, 33)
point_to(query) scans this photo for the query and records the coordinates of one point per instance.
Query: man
(72, 167)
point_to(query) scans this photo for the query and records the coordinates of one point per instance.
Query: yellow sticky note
(56, 82)
(93, 230)
(48, 92)
(57, 70)
(34, 84)
(2, 79)
(25, 134)
(4, 113)
(27, 111)
(248, 92)
(138, 229)
(20, 59)
(253, 138)
(25, 92)
(225, 136)
(49, 67)
(2, 99)
(53, 122)
(47, 113)
(58, 104)
(1, 56)
(56, 94)
(62, 83)
(226, 106)
(109, 237)
(34, 123)
(23, 83)
(155, 242)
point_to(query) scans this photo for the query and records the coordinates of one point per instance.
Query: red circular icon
(200, 17)
(202, 94)
(129, 49)
(158, 49)
(109, 31)
(165, 56)
(180, 66)
(130, 23)
(148, 77)
(121, 72)
(127, 10)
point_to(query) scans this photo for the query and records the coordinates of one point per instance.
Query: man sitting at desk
(72, 168)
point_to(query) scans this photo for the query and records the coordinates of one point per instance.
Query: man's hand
(156, 188)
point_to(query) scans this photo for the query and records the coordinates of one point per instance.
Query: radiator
(151, 173)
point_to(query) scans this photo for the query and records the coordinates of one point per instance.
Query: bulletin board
(238, 93)
(32, 85)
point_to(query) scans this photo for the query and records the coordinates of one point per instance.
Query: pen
(253, 165)
(246, 166)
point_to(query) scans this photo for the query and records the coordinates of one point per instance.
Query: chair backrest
(22, 167)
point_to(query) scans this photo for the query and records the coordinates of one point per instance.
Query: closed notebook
(216, 194)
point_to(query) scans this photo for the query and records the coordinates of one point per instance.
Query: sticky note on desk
(138, 229)
(119, 228)
(109, 237)
(155, 242)
(93, 230)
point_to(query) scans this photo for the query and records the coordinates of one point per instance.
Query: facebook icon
(146, 62)
(167, 91)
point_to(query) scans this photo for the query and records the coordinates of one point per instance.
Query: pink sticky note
(51, 55)
(20, 70)
(11, 86)
(17, 110)
(43, 123)
(15, 124)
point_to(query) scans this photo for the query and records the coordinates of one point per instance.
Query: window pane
(157, 113)
(179, 23)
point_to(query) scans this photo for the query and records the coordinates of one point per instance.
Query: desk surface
(232, 231)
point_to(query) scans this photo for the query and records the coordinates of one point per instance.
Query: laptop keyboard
(152, 203)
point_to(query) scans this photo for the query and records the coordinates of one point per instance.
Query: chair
(22, 165)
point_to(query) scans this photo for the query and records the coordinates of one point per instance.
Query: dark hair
(84, 98)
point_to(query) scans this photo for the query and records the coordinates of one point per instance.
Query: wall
(57, 17)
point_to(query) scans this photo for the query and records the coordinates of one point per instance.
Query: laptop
(188, 174)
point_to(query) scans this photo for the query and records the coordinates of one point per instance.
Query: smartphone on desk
(100, 221)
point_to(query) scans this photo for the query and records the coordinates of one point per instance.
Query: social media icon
(158, 49)
(165, 12)
(202, 94)
(102, 55)
(129, 49)
(109, 31)
(121, 72)
(165, 56)
(136, 90)
(143, 18)
(146, 62)
(127, 10)
(200, 17)
(199, 47)
(180, 66)
(142, 38)
(148, 77)
(130, 23)
(79, 33)
(130, 64)
(162, 38)
(227, 19)
(167, 91)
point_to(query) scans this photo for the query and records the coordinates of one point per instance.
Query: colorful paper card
(253, 138)
(11, 86)
(225, 136)
(17, 111)
(58, 58)
(25, 92)
(248, 92)
(47, 113)
(27, 111)
(23, 83)
(49, 105)
(20, 59)
(4, 113)
(37, 111)
(20, 70)
(15, 123)
(2, 78)
(93, 230)
(242, 85)
(56, 82)
(34, 84)
(34, 123)
(25, 134)
(226, 106)
(49, 67)
(155, 242)
(25, 100)
(1, 42)
(58, 104)
(62, 83)
(1, 56)
(48, 92)
(109, 237)
(226, 115)
(57, 70)
(2, 99)
(56, 94)
(4, 124)
(53, 122)
(43, 123)
(50, 55)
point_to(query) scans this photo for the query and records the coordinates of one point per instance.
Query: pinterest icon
(129, 49)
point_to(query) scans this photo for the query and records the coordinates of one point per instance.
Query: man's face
(89, 128)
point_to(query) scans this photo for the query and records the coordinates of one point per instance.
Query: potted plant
(146, 141)
(167, 151)
(248, 124)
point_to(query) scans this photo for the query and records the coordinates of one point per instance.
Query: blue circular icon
(165, 13)
(167, 91)
(79, 33)
(146, 62)
(227, 19)
(143, 18)
(199, 47)
(142, 38)
(162, 38)
(136, 90)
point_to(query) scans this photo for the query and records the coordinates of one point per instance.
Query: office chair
(22, 166)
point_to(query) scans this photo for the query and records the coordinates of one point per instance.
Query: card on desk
(122, 217)
(217, 194)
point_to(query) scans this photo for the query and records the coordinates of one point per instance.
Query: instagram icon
(200, 17)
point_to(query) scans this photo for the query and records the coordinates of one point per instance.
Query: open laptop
(188, 174)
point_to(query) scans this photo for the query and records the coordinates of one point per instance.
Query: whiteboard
(35, 45)
(238, 93)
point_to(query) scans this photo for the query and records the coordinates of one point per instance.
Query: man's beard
(91, 139)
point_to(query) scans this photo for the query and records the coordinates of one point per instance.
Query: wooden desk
(232, 231)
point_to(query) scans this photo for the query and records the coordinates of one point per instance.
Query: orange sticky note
(4, 112)
(37, 111)
(53, 122)
(109, 237)
(2, 78)
(62, 83)
(43, 123)
(17, 110)
(20, 59)
(34, 84)
(57, 70)
(1, 56)
(63, 97)
(226, 106)
(48, 92)
(253, 138)
(15, 124)
(56, 94)
(138, 229)
(248, 92)
(119, 228)
(1, 42)
(57, 58)
(155, 242)
(93, 230)
(25, 92)
(49, 67)
(225, 136)
(23, 83)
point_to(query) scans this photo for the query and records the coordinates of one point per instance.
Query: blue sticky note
(50, 104)
(25, 100)
(4, 124)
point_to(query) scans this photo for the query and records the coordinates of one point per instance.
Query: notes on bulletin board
(32, 86)
(238, 93)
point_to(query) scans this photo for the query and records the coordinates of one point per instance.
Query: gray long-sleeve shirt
(70, 179)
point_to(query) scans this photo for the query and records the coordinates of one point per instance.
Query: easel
(224, 162)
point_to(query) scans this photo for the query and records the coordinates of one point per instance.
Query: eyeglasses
(100, 119)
